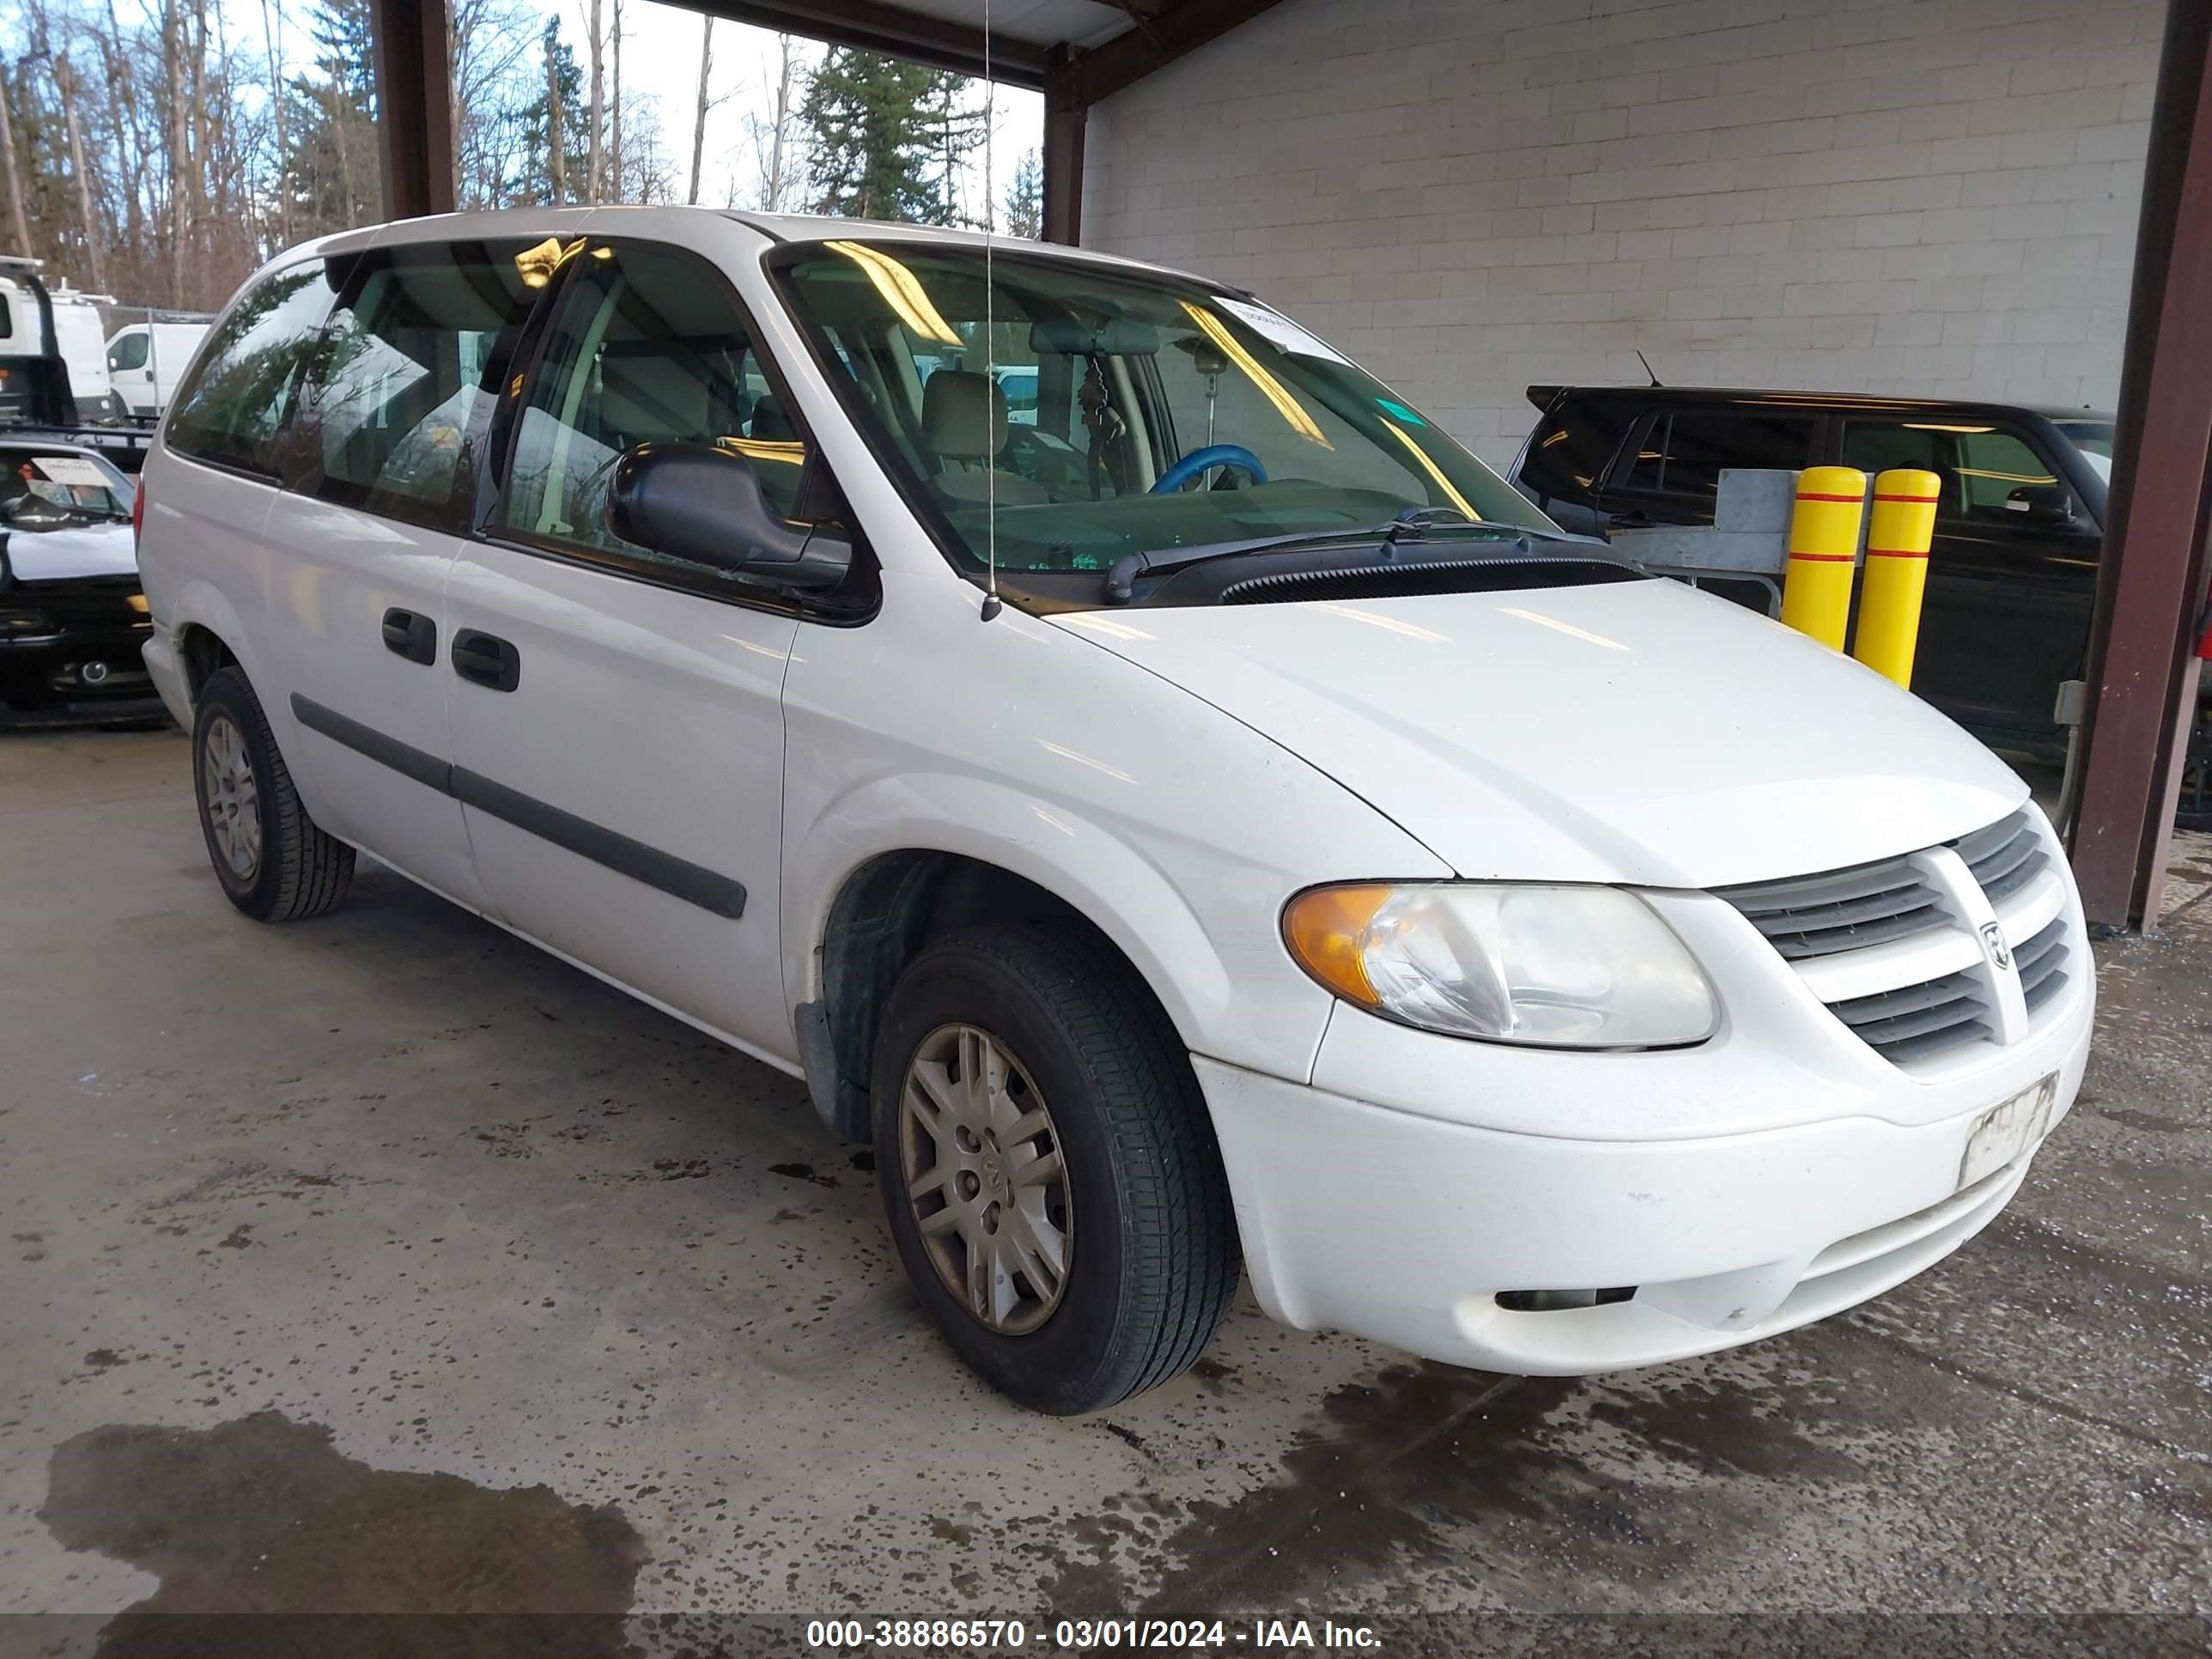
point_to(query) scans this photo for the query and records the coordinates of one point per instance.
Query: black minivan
(2013, 573)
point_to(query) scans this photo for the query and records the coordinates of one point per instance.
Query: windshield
(40, 490)
(2095, 439)
(1115, 413)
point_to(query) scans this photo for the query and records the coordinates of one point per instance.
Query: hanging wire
(990, 340)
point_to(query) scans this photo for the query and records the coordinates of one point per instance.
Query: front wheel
(1049, 1169)
(274, 862)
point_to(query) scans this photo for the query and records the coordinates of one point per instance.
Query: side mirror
(2047, 504)
(702, 504)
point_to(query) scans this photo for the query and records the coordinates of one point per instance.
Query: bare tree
(699, 119)
(276, 105)
(772, 138)
(617, 146)
(16, 186)
(65, 84)
(556, 157)
(594, 173)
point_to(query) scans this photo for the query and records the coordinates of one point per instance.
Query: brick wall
(1936, 198)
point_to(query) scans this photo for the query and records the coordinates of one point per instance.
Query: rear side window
(399, 391)
(1568, 453)
(1682, 454)
(233, 409)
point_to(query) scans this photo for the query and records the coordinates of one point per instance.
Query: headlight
(1561, 967)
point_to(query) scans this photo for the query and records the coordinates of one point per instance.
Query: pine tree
(877, 133)
(332, 174)
(1025, 198)
(537, 181)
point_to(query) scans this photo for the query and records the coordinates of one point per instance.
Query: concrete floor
(384, 1262)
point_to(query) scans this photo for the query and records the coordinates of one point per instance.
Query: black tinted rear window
(1569, 450)
(1683, 453)
(234, 406)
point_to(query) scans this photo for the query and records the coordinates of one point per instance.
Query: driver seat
(963, 421)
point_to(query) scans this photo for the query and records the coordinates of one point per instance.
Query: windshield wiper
(1414, 525)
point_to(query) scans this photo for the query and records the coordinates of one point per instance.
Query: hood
(1632, 731)
(84, 549)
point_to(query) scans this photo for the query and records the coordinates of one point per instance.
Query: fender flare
(1097, 873)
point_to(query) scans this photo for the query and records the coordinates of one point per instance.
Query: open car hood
(1635, 731)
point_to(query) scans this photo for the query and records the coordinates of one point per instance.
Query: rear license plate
(2008, 1129)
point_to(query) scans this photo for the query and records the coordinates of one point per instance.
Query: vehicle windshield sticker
(71, 469)
(1390, 406)
(1273, 326)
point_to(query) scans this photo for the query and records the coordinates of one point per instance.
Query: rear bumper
(1405, 1228)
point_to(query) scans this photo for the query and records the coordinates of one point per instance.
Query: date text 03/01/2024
(1085, 1635)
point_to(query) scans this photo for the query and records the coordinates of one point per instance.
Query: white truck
(29, 310)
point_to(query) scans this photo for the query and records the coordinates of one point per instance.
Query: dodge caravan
(1210, 822)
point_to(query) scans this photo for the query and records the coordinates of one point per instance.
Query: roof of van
(660, 221)
(1745, 397)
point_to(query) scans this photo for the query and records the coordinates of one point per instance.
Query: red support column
(414, 106)
(2143, 677)
(1065, 118)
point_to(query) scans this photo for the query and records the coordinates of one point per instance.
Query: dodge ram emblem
(1993, 942)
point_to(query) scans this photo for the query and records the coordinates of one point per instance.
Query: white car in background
(1219, 819)
(73, 621)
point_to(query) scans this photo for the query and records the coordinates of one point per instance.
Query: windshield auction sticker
(71, 469)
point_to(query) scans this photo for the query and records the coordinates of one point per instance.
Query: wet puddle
(261, 1517)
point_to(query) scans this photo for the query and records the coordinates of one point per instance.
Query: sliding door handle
(413, 637)
(487, 659)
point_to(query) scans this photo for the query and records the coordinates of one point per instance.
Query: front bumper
(1779, 1173)
(74, 642)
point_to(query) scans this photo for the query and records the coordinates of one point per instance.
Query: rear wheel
(273, 861)
(1049, 1170)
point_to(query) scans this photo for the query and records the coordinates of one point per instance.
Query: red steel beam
(2142, 676)
(414, 106)
(880, 27)
(1065, 121)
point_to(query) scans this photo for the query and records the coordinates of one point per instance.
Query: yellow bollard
(1824, 551)
(1898, 535)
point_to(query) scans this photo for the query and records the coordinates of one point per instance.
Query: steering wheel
(1212, 455)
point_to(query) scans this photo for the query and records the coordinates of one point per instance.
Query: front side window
(1988, 474)
(129, 352)
(404, 378)
(2095, 439)
(647, 346)
(1113, 412)
(232, 410)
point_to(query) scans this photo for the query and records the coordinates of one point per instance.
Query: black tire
(298, 871)
(1152, 1259)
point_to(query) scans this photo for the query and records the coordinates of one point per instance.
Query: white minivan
(1213, 821)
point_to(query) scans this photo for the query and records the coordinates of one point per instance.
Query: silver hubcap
(981, 1162)
(234, 802)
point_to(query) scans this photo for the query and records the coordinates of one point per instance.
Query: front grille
(1917, 1020)
(2004, 857)
(2042, 964)
(1847, 910)
(1895, 949)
